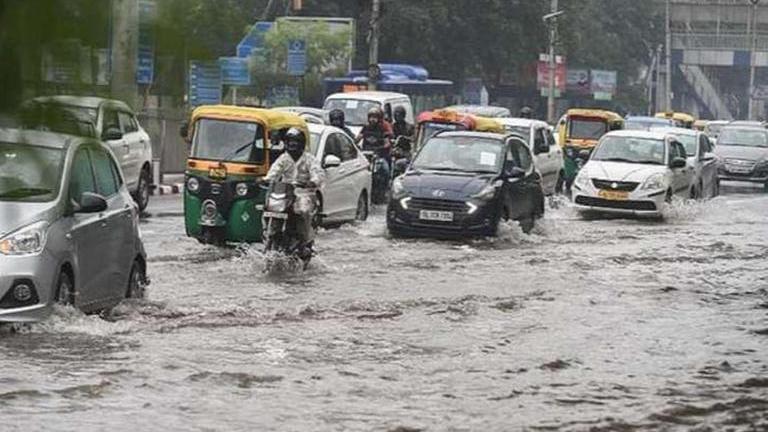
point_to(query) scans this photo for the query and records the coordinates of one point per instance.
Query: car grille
(622, 205)
(615, 185)
(457, 207)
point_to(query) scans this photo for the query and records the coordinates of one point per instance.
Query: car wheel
(65, 290)
(142, 191)
(362, 207)
(136, 280)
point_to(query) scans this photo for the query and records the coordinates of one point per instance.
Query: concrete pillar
(125, 45)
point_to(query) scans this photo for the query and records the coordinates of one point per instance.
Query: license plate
(739, 170)
(217, 173)
(613, 195)
(274, 215)
(439, 216)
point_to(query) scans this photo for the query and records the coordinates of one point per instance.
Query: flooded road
(597, 325)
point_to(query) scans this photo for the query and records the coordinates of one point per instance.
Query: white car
(357, 104)
(111, 121)
(633, 172)
(346, 195)
(701, 158)
(547, 155)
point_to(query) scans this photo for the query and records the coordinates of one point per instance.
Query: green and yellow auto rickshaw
(578, 133)
(231, 151)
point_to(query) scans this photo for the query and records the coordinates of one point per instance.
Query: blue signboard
(254, 40)
(297, 57)
(145, 61)
(204, 83)
(234, 71)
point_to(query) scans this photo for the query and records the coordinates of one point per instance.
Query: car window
(549, 137)
(116, 172)
(520, 155)
(111, 120)
(332, 146)
(705, 146)
(81, 179)
(348, 150)
(105, 178)
(538, 135)
(128, 123)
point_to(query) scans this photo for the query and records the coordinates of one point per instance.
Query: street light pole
(668, 86)
(552, 64)
(752, 60)
(373, 45)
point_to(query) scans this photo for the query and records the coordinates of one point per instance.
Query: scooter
(280, 224)
(401, 155)
(379, 167)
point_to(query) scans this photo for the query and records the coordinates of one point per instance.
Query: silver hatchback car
(69, 229)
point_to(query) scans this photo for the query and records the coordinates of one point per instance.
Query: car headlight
(655, 181)
(582, 180)
(487, 194)
(193, 185)
(29, 240)
(398, 188)
(241, 189)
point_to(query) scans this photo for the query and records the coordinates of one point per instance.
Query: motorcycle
(401, 155)
(380, 169)
(280, 223)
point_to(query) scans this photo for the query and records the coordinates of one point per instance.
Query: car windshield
(743, 137)
(29, 173)
(314, 142)
(465, 154)
(355, 110)
(630, 150)
(59, 118)
(227, 140)
(592, 129)
(689, 142)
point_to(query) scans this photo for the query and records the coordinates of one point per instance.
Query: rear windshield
(226, 140)
(29, 173)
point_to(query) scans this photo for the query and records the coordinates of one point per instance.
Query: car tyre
(65, 290)
(361, 214)
(142, 191)
(136, 281)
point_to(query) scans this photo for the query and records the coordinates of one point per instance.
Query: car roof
(302, 109)
(375, 96)
(731, 126)
(473, 134)
(39, 138)
(652, 134)
(80, 101)
(676, 131)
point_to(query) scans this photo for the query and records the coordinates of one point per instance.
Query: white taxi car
(634, 172)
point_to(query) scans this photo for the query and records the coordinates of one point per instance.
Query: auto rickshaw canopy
(271, 120)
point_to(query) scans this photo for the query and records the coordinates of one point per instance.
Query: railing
(710, 41)
(706, 91)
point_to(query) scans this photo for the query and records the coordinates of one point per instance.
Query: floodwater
(583, 325)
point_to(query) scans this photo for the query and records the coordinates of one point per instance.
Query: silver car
(69, 229)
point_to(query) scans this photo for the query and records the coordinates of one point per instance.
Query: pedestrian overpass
(711, 44)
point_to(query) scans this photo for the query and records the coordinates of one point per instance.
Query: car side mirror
(112, 134)
(678, 162)
(91, 203)
(540, 146)
(331, 161)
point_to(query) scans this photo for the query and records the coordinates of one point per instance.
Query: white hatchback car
(346, 194)
(547, 155)
(633, 172)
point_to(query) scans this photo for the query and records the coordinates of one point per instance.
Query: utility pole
(552, 63)
(657, 107)
(373, 43)
(668, 86)
(752, 61)
(124, 47)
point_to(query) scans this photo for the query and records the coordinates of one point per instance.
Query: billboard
(604, 83)
(578, 82)
(542, 73)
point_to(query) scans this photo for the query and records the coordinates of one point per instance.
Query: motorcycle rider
(337, 119)
(377, 134)
(296, 166)
(404, 133)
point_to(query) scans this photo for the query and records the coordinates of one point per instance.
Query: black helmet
(336, 117)
(295, 142)
(526, 112)
(399, 113)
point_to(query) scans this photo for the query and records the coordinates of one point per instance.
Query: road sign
(145, 61)
(254, 40)
(234, 71)
(297, 57)
(204, 83)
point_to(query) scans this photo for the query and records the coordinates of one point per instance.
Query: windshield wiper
(238, 151)
(650, 162)
(25, 192)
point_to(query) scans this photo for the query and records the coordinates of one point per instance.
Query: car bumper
(39, 271)
(480, 223)
(639, 203)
